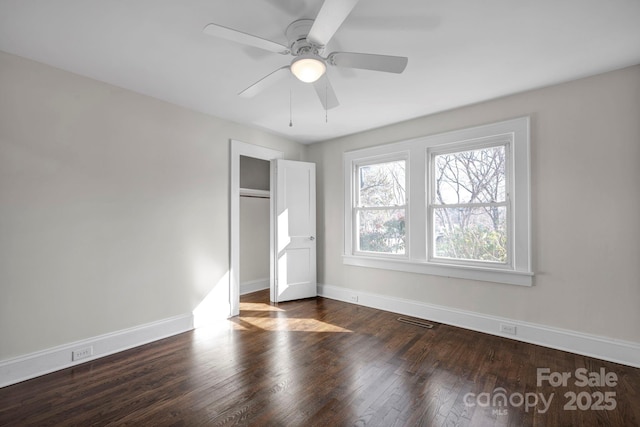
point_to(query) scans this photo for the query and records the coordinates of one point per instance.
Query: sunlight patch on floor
(258, 306)
(235, 326)
(293, 325)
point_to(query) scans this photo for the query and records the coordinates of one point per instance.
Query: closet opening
(254, 269)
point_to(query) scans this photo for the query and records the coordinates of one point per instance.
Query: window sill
(458, 271)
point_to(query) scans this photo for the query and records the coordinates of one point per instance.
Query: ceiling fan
(307, 39)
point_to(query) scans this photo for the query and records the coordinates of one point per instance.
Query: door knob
(312, 238)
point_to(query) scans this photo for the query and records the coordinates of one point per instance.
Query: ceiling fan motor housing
(297, 33)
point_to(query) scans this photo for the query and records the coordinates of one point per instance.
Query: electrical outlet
(82, 353)
(353, 298)
(508, 329)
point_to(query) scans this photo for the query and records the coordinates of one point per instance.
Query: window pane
(475, 176)
(382, 184)
(478, 234)
(382, 231)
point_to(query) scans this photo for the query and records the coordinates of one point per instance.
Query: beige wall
(585, 209)
(113, 206)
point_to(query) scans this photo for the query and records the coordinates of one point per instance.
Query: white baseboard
(253, 286)
(618, 351)
(32, 365)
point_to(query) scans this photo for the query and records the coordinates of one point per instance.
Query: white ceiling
(460, 52)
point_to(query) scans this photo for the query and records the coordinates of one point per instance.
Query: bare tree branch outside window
(381, 207)
(470, 206)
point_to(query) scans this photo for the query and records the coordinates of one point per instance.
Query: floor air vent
(415, 322)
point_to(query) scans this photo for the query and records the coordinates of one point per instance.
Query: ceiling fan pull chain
(326, 102)
(290, 108)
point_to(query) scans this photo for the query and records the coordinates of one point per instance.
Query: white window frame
(418, 259)
(355, 208)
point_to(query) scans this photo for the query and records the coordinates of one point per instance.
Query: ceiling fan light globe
(308, 69)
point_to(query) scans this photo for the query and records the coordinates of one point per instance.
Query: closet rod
(255, 197)
(250, 192)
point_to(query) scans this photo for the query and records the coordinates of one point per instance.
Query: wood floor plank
(319, 362)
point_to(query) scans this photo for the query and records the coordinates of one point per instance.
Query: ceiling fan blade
(244, 38)
(264, 82)
(368, 61)
(332, 14)
(326, 93)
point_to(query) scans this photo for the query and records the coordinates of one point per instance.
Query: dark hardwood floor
(321, 362)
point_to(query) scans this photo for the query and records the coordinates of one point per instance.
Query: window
(454, 204)
(468, 207)
(380, 207)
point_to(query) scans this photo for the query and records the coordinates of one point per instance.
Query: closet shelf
(250, 192)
